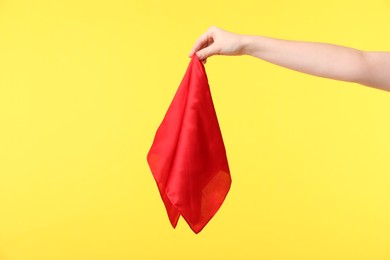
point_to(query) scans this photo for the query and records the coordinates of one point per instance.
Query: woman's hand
(216, 41)
(318, 59)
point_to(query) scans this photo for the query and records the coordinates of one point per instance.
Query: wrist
(250, 44)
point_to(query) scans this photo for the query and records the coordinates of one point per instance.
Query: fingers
(203, 41)
(204, 53)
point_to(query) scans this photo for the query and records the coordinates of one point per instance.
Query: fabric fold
(188, 158)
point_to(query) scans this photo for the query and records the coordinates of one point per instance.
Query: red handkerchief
(188, 157)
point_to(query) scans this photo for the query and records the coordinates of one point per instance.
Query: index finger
(200, 42)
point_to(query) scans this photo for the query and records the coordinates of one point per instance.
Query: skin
(319, 59)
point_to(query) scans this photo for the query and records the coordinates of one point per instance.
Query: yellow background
(85, 84)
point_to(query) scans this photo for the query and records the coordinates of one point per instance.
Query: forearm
(319, 59)
(322, 59)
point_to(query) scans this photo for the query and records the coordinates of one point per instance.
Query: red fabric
(188, 157)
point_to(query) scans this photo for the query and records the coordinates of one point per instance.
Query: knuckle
(213, 28)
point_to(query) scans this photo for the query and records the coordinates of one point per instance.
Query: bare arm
(319, 59)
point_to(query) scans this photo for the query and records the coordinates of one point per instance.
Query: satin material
(188, 158)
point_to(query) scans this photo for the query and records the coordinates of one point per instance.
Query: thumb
(204, 53)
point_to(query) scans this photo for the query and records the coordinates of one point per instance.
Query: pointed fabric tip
(188, 158)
